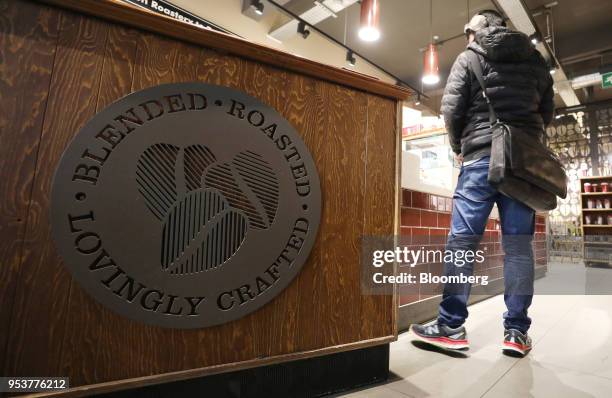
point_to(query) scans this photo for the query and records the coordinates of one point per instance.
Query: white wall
(228, 14)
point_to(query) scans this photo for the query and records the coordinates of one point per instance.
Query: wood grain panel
(39, 313)
(351, 136)
(268, 85)
(147, 349)
(304, 109)
(118, 11)
(84, 339)
(343, 184)
(28, 37)
(229, 71)
(379, 200)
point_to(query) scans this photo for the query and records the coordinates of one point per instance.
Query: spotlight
(350, 58)
(258, 6)
(553, 67)
(418, 101)
(302, 30)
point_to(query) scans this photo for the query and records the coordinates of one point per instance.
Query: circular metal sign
(186, 205)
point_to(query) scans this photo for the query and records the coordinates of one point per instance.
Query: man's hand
(459, 158)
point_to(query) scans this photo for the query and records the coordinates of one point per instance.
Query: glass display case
(433, 160)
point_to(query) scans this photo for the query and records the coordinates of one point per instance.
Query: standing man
(519, 86)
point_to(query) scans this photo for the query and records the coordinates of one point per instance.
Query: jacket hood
(499, 43)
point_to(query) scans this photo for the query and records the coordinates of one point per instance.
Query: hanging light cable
(370, 20)
(431, 62)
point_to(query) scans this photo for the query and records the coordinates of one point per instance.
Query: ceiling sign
(185, 205)
(606, 80)
(172, 11)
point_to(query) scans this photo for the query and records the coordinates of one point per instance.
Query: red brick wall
(425, 221)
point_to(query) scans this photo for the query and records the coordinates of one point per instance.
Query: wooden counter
(60, 64)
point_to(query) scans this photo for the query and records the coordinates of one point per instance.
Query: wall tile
(448, 204)
(420, 236)
(443, 220)
(411, 217)
(420, 200)
(406, 198)
(438, 236)
(429, 218)
(433, 202)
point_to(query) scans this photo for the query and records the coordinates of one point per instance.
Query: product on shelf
(596, 206)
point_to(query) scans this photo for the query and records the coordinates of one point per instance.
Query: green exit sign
(606, 80)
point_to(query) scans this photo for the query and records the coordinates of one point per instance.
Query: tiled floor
(572, 355)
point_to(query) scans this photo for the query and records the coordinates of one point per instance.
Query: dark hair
(493, 17)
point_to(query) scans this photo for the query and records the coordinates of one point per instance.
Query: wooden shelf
(608, 263)
(586, 242)
(594, 178)
(596, 226)
(597, 260)
(594, 229)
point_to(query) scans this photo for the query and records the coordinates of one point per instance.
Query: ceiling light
(431, 69)
(369, 29)
(553, 66)
(350, 58)
(418, 101)
(431, 63)
(258, 6)
(535, 38)
(302, 30)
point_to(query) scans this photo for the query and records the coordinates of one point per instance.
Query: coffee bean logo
(186, 205)
(206, 207)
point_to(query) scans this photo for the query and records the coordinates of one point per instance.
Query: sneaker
(516, 342)
(441, 336)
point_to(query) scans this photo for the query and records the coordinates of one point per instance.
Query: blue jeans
(472, 203)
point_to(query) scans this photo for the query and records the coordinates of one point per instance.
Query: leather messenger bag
(521, 166)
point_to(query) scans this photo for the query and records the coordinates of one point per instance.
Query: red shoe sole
(442, 342)
(516, 347)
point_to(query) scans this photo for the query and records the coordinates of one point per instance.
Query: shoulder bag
(521, 166)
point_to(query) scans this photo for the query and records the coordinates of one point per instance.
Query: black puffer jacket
(518, 84)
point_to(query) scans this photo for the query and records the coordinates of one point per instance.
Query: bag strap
(477, 70)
